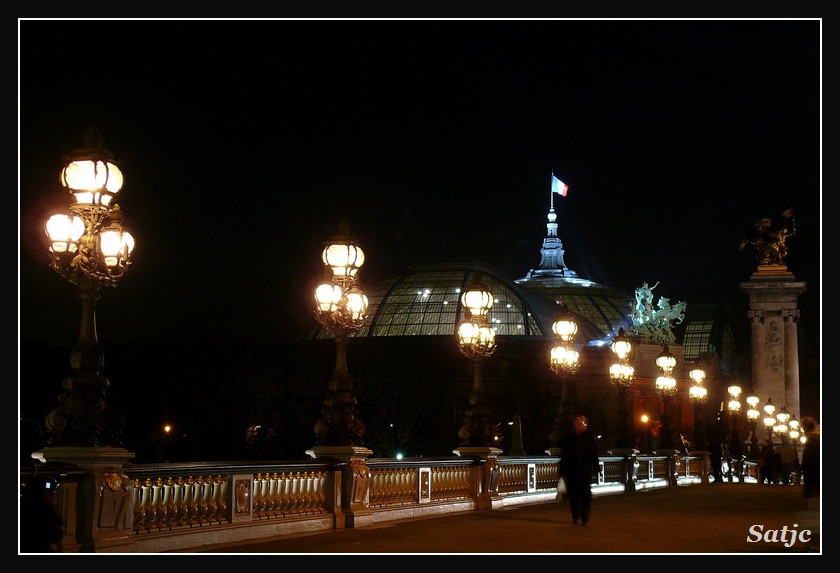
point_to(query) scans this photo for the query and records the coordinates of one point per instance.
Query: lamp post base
(353, 495)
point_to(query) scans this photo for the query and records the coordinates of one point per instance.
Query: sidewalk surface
(713, 518)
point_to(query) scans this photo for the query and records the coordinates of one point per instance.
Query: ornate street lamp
(698, 395)
(734, 441)
(622, 375)
(753, 414)
(564, 358)
(91, 248)
(781, 429)
(769, 417)
(342, 309)
(563, 361)
(794, 433)
(477, 341)
(666, 386)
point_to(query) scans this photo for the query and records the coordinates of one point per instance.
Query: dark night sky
(244, 143)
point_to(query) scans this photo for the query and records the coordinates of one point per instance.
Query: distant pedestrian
(811, 460)
(579, 464)
(787, 461)
(811, 479)
(767, 463)
(716, 460)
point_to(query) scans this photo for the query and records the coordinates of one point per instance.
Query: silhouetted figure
(736, 455)
(40, 528)
(787, 461)
(578, 465)
(811, 479)
(716, 459)
(811, 459)
(767, 462)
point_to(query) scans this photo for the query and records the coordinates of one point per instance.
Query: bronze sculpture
(768, 235)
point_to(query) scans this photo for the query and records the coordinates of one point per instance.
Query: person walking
(767, 462)
(787, 460)
(716, 459)
(811, 459)
(578, 465)
(811, 478)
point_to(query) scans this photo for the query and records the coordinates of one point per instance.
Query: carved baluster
(204, 500)
(179, 507)
(194, 488)
(165, 518)
(153, 511)
(223, 488)
(285, 498)
(139, 504)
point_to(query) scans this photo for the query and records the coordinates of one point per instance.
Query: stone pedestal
(104, 496)
(487, 481)
(355, 483)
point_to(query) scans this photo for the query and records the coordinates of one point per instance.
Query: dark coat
(811, 465)
(579, 459)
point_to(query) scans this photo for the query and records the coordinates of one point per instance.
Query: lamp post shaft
(87, 354)
(624, 438)
(339, 425)
(476, 430)
(667, 431)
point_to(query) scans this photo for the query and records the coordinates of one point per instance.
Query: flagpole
(550, 191)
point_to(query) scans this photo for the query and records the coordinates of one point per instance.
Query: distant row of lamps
(780, 423)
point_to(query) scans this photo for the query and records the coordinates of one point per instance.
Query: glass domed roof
(425, 301)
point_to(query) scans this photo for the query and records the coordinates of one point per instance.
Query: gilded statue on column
(768, 235)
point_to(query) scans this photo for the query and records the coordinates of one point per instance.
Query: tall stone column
(791, 319)
(756, 318)
(773, 295)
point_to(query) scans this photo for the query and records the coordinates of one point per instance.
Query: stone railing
(152, 508)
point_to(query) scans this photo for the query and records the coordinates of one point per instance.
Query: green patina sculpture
(656, 322)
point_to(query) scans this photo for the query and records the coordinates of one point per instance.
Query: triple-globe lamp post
(341, 308)
(753, 415)
(564, 361)
(698, 395)
(622, 375)
(666, 386)
(91, 248)
(734, 441)
(781, 428)
(769, 417)
(477, 341)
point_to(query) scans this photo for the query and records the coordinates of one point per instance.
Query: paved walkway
(713, 518)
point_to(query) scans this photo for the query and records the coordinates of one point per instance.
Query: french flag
(558, 186)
